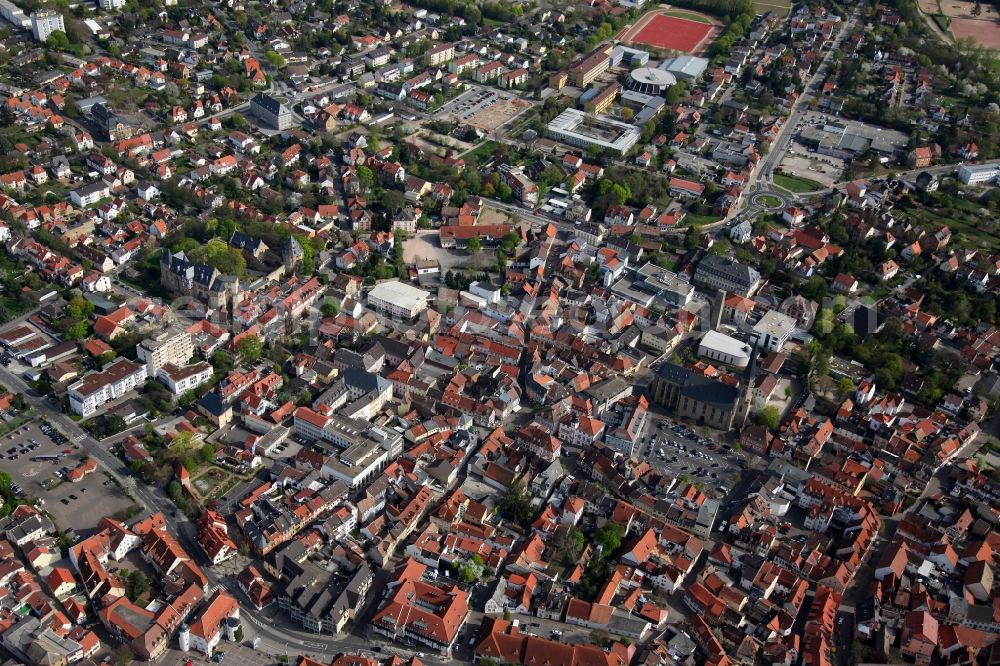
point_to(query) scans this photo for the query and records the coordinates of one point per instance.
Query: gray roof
(673, 373)
(242, 241)
(730, 268)
(291, 247)
(710, 391)
(269, 104)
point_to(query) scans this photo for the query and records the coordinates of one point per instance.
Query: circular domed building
(649, 81)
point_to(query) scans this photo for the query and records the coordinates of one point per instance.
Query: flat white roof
(725, 344)
(576, 127)
(399, 293)
(775, 323)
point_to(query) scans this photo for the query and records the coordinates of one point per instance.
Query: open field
(779, 7)
(796, 184)
(673, 30)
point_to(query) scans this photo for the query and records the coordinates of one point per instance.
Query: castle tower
(184, 638)
(230, 626)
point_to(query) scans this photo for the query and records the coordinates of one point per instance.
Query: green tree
(474, 245)
(330, 308)
(123, 656)
(58, 40)
(218, 254)
(207, 453)
(769, 417)
(515, 505)
(5, 482)
(274, 59)
(510, 241)
(599, 637)
(250, 348)
(79, 308)
(366, 176)
(137, 586)
(77, 331)
(568, 543)
(393, 200)
(609, 537)
(467, 575)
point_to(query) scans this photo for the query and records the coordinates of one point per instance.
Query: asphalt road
(764, 172)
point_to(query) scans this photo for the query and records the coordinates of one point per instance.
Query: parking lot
(807, 163)
(38, 458)
(484, 108)
(678, 450)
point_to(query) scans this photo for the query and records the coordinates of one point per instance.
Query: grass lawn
(770, 201)
(693, 220)
(795, 184)
(483, 151)
(779, 7)
(690, 16)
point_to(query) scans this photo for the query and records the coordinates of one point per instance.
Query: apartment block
(172, 345)
(97, 388)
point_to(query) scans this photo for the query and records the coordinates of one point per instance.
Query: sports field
(672, 33)
(983, 32)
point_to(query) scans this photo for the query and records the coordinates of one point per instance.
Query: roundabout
(769, 201)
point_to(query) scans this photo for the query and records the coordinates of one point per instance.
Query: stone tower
(291, 253)
(745, 403)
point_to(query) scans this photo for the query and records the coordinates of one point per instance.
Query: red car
(66, 452)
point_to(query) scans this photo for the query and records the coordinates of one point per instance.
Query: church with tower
(705, 400)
